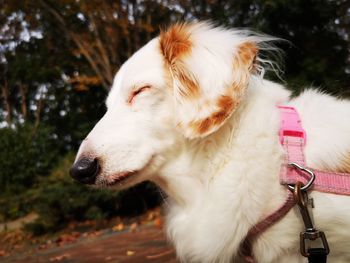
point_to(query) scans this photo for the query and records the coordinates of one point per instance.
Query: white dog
(191, 112)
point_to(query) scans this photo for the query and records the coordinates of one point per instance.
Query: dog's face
(182, 85)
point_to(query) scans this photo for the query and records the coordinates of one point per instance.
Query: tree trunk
(39, 107)
(7, 102)
(23, 89)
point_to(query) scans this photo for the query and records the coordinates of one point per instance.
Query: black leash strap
(317, 255)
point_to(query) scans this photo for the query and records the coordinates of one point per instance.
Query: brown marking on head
(244, 61)
(175, 44)
(189, 87)
(247, 53)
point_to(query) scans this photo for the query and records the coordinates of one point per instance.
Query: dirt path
(147, 244)
(17, 224)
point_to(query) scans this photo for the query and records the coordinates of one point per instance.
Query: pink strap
(293, 139)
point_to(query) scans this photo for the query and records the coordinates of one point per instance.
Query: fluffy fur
(191, 112)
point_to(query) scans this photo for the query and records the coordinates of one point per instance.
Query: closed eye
(137, 92)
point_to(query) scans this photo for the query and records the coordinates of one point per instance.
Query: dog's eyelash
(136, 92)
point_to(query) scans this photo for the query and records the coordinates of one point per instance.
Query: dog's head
(182, 85)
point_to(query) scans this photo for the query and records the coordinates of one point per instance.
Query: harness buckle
(291, 124)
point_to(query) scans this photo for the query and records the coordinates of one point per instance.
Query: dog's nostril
(85, 170)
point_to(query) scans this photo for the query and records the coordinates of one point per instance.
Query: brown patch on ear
(225, 106)
(225, 103)
(247, 53)
(175, 42)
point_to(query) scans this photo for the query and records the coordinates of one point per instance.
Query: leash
(245, 250)
(298, 179)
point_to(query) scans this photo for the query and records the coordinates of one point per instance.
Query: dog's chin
(118, 180)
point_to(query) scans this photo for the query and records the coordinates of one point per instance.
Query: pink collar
(293, 171)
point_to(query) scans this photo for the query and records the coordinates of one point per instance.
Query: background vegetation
(57, 62)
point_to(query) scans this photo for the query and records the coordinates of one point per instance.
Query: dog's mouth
(121, 179)
(117, 179)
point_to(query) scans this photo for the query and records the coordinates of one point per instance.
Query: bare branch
(89, 54)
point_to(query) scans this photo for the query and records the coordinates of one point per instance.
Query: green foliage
(61, 200)
(27, 153)
(13, 206)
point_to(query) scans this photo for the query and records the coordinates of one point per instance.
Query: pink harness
(298, 179)
(293, 139)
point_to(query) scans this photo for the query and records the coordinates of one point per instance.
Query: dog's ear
(210, 71)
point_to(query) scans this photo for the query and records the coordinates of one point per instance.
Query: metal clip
(310, 233)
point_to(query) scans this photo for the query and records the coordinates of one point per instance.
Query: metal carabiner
(310, 233)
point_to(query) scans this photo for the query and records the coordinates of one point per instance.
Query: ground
(140, 241)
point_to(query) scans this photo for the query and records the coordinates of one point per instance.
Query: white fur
(221, 185)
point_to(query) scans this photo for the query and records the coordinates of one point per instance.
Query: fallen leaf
(59, 258)
(18, 246)
(130, 253)
(151, 216)
(133, 227)
(118, 227)
(2, 253)
(158, 222)
(66, 238)
(43, 246)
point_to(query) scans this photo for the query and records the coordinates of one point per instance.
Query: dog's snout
(85, 170)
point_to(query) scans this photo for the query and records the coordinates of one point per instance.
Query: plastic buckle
(291, 124)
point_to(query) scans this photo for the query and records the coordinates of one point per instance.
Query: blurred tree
(104, 33)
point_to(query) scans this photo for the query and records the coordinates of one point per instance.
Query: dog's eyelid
(142, 88)
(137, 91)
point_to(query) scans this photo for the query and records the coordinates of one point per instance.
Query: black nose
(85, 170)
